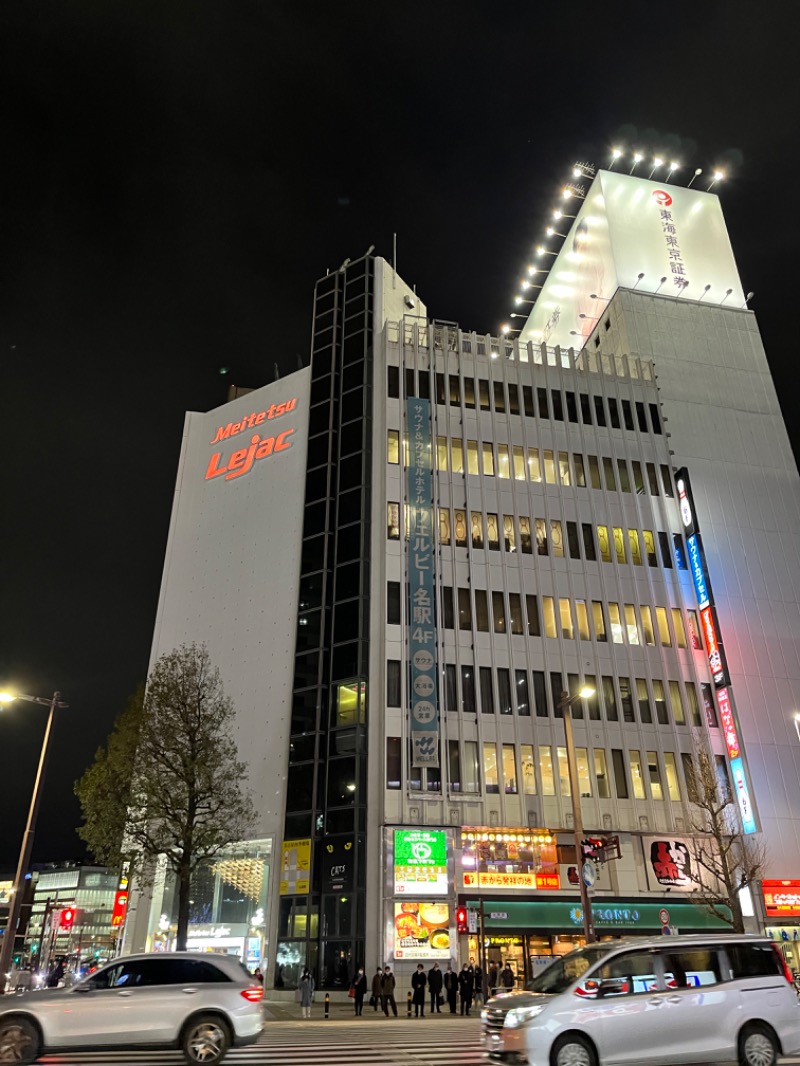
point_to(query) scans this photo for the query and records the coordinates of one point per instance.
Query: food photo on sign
(421, 930)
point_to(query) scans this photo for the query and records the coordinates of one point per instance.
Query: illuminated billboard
(420, 861)
(633, 232)
(421, 930)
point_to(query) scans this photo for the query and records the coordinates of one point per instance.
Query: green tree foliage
(179, 772)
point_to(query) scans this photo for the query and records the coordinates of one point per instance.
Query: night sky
(175, 177)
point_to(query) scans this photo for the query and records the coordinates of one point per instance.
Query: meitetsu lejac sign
(239, 461)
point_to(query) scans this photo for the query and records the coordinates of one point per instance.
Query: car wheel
(205, 1040)
(757, 1046)
(573, 1050)
(19, 1041)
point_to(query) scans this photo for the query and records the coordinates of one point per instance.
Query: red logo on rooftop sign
(662, 197)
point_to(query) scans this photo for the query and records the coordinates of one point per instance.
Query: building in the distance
(403, 557)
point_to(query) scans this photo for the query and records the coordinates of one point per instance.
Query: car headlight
(484, 1015)
(520, 1015)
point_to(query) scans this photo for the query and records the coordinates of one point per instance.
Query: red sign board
(120, 906)
(716, 655)
(728, 726)
(782, 898)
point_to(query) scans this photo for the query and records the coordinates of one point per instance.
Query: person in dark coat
(466, 984)
(418, 983)
(477, 975)
(377, 980)
(507, 978)
(451, 988)
(360, 988)
(492, 979)
(387, 992)
(435, 987)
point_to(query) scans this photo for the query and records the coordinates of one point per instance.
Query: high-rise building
(456, 533)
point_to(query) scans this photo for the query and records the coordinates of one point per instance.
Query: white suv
(644, 1002)
(200, 1003)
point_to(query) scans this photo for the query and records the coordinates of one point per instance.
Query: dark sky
(175, 176)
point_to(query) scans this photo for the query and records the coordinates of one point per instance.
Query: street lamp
(565, 704)
(9, 939)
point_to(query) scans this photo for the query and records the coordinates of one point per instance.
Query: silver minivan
(679, 999)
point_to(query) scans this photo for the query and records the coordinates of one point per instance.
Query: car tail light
(254, 994)
(787, 973)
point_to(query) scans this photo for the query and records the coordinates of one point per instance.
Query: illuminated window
(548, 610)
(351, 703)
(654, 773)
(662, 717)
(525, 541)
(441, 453)
(515, 611)
(635, 761)
(519, 463)
(678, 713)
(493, 531)
(643, 699)
(498, 612)
(594, 472)
(457, 465)
(488, 460)
(694, 630)
(630, 624)
(673, 781)
(393, 521)
(546, 770)
(601, 774)
(599, 622)
(490, 777)
(472, 457)
(619, 544)
(541, 536)
(444, 526)
(567, 631)
(503, 462)
(510, 769)
(647, 626)
(608, 474)
(534, 465)
(677, 625)
(563, 772)
(393, 446)
(557, 538)
(633, 541)
(650, 547)
(580, 472)
(605, 547)
(528, 770)
(407, 451)
(509, 535)
(460, 522)
(470, 776)
(624, 480)
(476, 523)
(563, 468)
(615, 622)
(663, 627)
(584, 776)
(583, 619)
(549, 467)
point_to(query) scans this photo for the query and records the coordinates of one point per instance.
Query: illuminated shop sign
(716, 653)
(782, 898)
(241, 460)
(743, 796)
(728, 724)
(548, 881)
(295, 867)
(120, 907)
(420, 861)
(686, 503)
(697, 565)
(421, 930)
(422, 587)
(668, 861)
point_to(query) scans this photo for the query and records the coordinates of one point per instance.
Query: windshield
(567, 970)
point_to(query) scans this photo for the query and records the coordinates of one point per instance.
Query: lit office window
(619, 544)
(601, 774)
(663, 627)
(673, 781)
(509, 534)
(528, 770)
(563, 468)
(643, 699)
(441, 453)
(635, 762)
(583, 619)
(393, 521)
(557, 538)
(654, 773)
(615, 622)
(534, 465)
(476, 524)
(510, 770)
(631, 627)
(490, 776)
(472, 457)
(677, 625)
(647, 626)
(519, 463)
(678, 713)
(493, 530)
(548, 610)
(503, 462)
(563, 772)
(457, 464)
(567, 630)
(488, 460)
(444, 526)
(584, 776)
(546, 770)
(393, 446)
(633, 541)
(549, 467)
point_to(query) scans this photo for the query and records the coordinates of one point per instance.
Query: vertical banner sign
(422, 597)
(716, 652)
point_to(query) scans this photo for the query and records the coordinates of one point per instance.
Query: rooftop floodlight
(661, 282)
(541, 250)
(566, 193)
(577, 172)
(672, 168)
(657, 162)
(696, 174)
(705, 290)
(638, 279)
(719, 175)
(748, 298)
(615, 155)
(725, 297)
(637, 158)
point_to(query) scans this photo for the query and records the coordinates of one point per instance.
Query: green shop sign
(607, 914)
(420, 862)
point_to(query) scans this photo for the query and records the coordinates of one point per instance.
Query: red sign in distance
(120, 907)
(781, 898)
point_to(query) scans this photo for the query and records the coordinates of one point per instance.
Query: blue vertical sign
(422, 586)
(698, 569)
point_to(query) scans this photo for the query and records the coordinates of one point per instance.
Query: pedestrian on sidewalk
(435, 987)
(306, 992)
(451, 987)
(375, 999)
(418, 983)
(466, 985)
(477, 975)
(492, 979)
(387, 992)
(360, 990)
(507, 978)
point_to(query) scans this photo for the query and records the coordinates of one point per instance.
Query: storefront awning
(609, 916)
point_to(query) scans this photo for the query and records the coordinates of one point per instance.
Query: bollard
(327, 1004)
(409, 1005)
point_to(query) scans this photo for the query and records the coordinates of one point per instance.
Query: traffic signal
(594, 848)
(461, 919)
(67, 919)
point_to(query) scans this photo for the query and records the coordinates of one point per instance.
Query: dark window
(586, 409)
(572, 540)
(447, 607)
(527, 399)
(534, 625)
(469, 393)
(655, 418)
(483, 394)
(393, 603)
(641, 417)
(753, 960)
(664, 545)
(702, 963)
(610, 699)
(503, 690)
(394, 754)
(620, 777)
(481, 611)
(626, 697)
(541, 399)
(539, 694)
(450, 688)
(424, 385)
(467, 690)
(393, 683)
(410, 389)
(613, 412)
(499, 612)
(464, 610)
(455, 391)
(652, 479)
(638, 483)
(599, 411)
(556, 688)
(454, 765)
(666, 481)
(624, 479)
(572, 407)
(487, 690)
(440, 391)
(708, 705)
(588, 542)
(558, 411)
(521, 691)
(499, 397)
(513, 399)
(627, 414)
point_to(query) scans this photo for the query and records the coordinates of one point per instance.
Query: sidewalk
(277, 1011)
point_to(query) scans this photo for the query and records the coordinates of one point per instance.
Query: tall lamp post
(566, 704)
(9, 939)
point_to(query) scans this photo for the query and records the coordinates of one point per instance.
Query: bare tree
(180, 791)
(725, 860)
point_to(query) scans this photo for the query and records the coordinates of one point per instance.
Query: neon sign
(728, 724)
(716, 653)
(241, 462)
(697, 565)
(686, 502)
(274, 410)
(743, 796)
